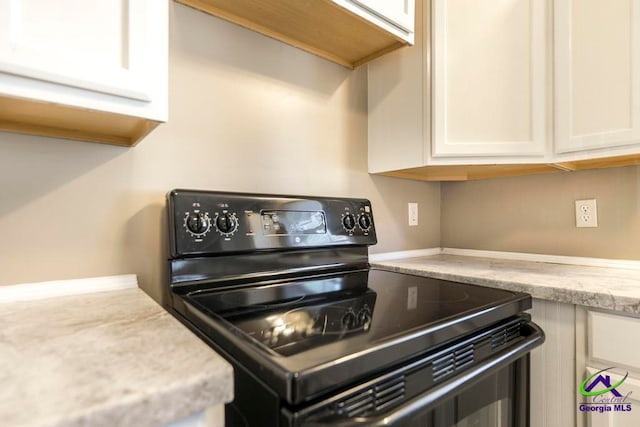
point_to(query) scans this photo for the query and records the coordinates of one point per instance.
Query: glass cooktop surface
(362, 308)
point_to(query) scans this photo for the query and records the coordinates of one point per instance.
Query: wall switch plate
(413, 214)
(586, 213)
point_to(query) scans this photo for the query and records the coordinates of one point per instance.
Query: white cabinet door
(399, 12)
(608, 339)
(597, 74)
(618, 418)
(63, 51)
(490, 81)
(87, 44)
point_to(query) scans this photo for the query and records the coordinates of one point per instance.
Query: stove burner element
(286, 327)
(296, 325)
(289, 332)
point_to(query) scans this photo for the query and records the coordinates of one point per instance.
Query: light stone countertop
(103, 359)
(607, 288)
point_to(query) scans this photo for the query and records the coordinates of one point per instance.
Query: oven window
(489, 403)
(495, 414)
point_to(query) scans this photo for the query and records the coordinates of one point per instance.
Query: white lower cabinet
(612, 346)
(553, 366)
(630, 417)
(581, 343)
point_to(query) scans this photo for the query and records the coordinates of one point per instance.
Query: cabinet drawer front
(614, 339)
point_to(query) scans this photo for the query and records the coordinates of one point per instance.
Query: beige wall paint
(536, 214)
(247, 113)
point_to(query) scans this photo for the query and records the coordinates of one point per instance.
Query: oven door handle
(436, 395)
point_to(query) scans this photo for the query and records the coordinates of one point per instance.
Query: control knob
(198, 223)
(364, 317)
(226, 223)
(349, 320)
(349, 222)
(364, 221)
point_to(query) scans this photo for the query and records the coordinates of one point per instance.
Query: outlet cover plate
(413, 214)
(586, 213)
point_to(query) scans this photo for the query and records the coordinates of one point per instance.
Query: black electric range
(281, 286)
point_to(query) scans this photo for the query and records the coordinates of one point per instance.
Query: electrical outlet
(413, 214)
(586, 213)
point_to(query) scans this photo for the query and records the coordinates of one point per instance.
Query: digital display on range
(277, 223)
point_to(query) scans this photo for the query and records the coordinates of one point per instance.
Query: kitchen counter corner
(104, 359)
(606, 288)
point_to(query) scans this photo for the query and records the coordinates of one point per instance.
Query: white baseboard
(389, 256)
(60, 288)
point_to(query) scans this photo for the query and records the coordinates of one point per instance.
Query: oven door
(492, 393)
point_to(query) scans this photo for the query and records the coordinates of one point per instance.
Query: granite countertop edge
(605, 288)
(165, 406)
(104, 359)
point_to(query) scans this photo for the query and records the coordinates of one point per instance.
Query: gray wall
(536, 214)
(247, 113)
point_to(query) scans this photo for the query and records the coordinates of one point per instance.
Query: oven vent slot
(375, 398)
(505, 335)
(451, 362)
(389, 392)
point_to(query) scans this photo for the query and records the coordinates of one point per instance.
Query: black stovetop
(300, 336)
(362, 308)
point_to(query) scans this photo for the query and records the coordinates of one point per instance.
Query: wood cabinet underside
(318, 27)
(62, 121)
(475, 172)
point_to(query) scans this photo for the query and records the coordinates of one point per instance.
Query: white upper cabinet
(399, 12)
(398, 96)
(489, 78)
(597, 72)
(89, 45)
(481, 94)
(469, 99)
(100, 56)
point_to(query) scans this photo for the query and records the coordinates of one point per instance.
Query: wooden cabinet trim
(319, 27)
(485, 171)
(62, 121)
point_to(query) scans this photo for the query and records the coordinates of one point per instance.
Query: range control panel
(210, 223)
